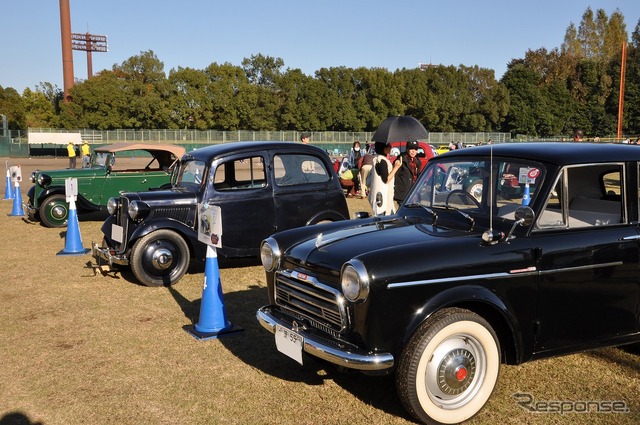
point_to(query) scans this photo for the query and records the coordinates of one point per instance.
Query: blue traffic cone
(212, 322)
(8, 192)
(73, 241)
(526, 196)
(17, 202)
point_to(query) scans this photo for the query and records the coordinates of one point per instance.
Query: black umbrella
(400, 129)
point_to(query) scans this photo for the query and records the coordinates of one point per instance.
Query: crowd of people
(372, 171)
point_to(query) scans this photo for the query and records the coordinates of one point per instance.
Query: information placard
(71, 188)
(210, 225)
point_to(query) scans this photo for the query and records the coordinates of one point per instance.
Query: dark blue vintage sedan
(453, 285)
(260, 187)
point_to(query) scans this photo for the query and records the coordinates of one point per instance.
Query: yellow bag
(347, 175)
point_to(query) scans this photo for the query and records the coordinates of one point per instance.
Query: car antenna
(490, 199)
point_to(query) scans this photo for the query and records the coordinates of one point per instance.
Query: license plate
(117, 233)
(290, 343)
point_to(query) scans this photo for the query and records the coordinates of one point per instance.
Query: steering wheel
(466, 194)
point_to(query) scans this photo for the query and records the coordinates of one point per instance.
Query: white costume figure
(381, 193)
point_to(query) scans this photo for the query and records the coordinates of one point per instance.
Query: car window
(299, 169)
(240, 174)
(585, 196)
(191, 172)
(480, 186)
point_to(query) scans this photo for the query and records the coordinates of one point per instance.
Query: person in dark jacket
(407, 167)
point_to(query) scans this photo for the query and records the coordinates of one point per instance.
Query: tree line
(546, 93)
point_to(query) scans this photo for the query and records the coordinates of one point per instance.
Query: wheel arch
(187, 233)
(484, 303)
(82, 203)
(326, 215)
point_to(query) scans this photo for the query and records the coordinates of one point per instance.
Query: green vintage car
(128, 167)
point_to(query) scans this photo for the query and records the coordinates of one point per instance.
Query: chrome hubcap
(58, 212)
(455, 371)
(162, 259)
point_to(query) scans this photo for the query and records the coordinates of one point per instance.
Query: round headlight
(33, 176)
(44, 180)
(355, 281)
(270, 254)
(112, 205)
(133, 210)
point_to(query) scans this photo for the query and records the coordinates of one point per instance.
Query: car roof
(559, 153)
(178, 151)
(251, 146)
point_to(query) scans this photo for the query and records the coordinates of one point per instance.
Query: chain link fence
(334, 142)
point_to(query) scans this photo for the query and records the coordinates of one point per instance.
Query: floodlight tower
(89, 43)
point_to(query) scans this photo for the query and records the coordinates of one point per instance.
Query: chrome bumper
(31, 211)
(325, 349)
(104, 254)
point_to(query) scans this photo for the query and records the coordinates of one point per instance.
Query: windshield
(478, 185)
(190, 173)
(100, 159)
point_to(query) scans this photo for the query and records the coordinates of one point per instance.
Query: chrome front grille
(305, 298)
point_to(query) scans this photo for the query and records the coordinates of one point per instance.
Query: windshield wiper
(434, 216)
(470, 219)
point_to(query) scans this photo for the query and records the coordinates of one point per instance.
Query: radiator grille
(319, 305)
(122, 219)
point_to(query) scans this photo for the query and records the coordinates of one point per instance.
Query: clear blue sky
(308, 35)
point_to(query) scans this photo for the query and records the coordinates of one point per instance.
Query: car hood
(72, 172)
(177, 196)
(397, 246)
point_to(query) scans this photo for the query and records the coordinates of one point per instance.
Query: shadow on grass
(256, 347)
(17, 418)
(625, 356)
(98, 216)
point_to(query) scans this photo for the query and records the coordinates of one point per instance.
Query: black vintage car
(260, 187)
(449, 288)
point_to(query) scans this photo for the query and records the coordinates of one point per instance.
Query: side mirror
(524, 216)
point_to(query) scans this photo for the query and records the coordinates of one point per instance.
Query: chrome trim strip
(455, 279)
(501, 275)
(342, 356)
(585, 267)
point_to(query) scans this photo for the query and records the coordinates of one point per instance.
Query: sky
(306, 35)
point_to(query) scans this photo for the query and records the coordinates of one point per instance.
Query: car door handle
(631, 238)
(144, 181)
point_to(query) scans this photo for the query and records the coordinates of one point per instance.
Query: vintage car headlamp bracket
(354, 280)
(270, 254)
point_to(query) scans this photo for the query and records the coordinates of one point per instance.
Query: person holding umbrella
(393, 129)
(407, 166)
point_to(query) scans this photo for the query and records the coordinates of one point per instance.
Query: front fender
(481, 300)
(326, 215)
(82, 203)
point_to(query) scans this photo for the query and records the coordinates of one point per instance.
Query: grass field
(82, 348)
